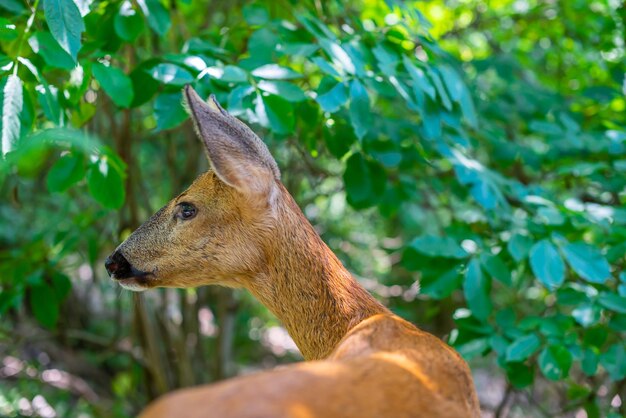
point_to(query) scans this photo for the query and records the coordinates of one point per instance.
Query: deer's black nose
(117, 266)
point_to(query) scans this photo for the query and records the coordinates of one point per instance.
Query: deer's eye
(187, 211)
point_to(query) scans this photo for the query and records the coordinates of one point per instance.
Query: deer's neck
(308, 288)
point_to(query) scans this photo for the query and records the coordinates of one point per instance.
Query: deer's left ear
(237, 155)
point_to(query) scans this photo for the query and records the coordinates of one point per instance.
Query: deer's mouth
(135, 283)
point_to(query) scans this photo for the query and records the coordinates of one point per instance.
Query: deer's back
(384, 367)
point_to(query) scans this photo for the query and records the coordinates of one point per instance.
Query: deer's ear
(237, 155)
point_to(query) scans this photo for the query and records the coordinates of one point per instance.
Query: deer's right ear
(237, 155)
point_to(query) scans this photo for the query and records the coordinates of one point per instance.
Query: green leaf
(61, 285)
(263, 48)
(485, 191)
(360, 114)
(144, 86)
(442, 286)
(157, 15)
(128, 23)
(338, 55)
(13, 6)
(589, 362)
(499, 344)
(227, 74)
(614, 361)
(299, 49)
(275, 72)
(434, 246)
(387, 59)
(570, 296)
(587, 314)
(547, 265)
(326, 67)
(333, 99)
(287, 91)
(555, 326)
(12, 104)
(519, 374)
(420, 80)
(443, 94)
(453, 82)
(592, 409)
(169, 111)
(48, 100)
(522, 348)
(8, 31)
(44, 304)
(494, 265)
(473, 348)
(171, 74)
(339, 138)
(476, 287)
(115, 83)
(365, 181)
(431, 121)
(555, 362)
(237, 103)
(106, 183)
(255, 14)
(65, 172)
(276, 113)
(618, 323)
(65, 23)
(587, 261)
(519, 246)
(43, 43)
(613, 302)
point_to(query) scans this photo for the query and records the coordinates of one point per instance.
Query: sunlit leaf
(169, 111)
(547, 264)
(555, 362)
(277, 112)
(613, 302)
(522, 348)
(171, 74)
(12, 104)
(157, 15)
(434, 246)
(275, 72)
(587, 261)
(128, 22)
(287, 91)
(333, 99)
(65, 23)
(44, 44)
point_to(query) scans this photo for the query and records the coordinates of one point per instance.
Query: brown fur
(366, 362)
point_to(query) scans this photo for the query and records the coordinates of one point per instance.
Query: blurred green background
(464, 158)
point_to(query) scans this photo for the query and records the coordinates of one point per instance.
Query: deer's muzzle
(119, 268)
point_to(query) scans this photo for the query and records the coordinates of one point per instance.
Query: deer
(238, 226)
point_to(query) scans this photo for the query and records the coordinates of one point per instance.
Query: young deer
(238, 226)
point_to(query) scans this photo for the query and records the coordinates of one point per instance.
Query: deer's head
(214, 231)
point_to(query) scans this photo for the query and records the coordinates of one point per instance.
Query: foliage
(480, 151)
